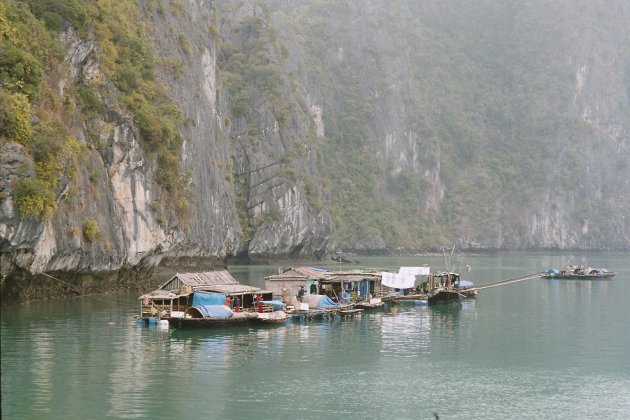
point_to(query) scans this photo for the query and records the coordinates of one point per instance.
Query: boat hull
(239, 319)
(468, 293)
(366, 305)
(271, 318)
(443, 296)
(605, 276)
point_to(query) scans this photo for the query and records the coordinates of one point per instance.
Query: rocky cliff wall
(495, 126)
(136, 227)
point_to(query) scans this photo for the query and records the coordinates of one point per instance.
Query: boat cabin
(443, 279)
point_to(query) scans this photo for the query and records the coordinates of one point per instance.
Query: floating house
(287, 284)
(210, 295)
(345, 286)
(340, 286)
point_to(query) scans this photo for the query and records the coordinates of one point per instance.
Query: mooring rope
(81, 293)
(508, 281)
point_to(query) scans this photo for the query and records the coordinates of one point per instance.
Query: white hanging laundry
(415, 271)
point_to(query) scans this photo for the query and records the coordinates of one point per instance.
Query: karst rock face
(115, 186)
(312, 126)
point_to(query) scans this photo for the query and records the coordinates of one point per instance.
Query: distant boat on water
(578, 272)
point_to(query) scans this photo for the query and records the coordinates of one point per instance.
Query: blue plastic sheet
(364, 288)
(464, 284)
(276, 304)
(205, 298)
(214, 311)
(553, 271)
(326, 302)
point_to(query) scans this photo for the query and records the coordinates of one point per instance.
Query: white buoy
(162, 323)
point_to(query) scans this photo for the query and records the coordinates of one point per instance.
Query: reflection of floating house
(201, 299)
(339, 286)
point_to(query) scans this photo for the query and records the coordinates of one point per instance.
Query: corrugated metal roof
(209, 281)
(232, 289)
(295, 273)
(339, 276)
(311, 271)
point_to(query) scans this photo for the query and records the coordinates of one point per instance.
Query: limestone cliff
(489, 125)
(113, 224)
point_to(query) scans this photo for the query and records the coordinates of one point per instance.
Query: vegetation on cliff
(474, 122)
(480, 93)
(40, 115)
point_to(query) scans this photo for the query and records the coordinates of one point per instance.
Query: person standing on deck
(259, 299)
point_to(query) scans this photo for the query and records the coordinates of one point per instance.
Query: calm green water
(537, 349)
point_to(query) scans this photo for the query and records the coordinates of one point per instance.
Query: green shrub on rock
(15, 114)
(91, 231)
(33, 198)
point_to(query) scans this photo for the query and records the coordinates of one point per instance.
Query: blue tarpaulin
(326, 302)
(204, 298)
(276, 304)
(214, 311)
(464, 284)
(553, 271)
(364, 288)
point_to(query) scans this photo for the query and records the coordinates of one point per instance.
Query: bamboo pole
(509, 281)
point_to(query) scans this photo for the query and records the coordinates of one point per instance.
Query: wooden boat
(410, 298)
(238, 319)
(465, 288)
(310, 314)
(350, 312)
(579, 272)
(373, 303)
(448, 287)
(467, 293)
(274, 318)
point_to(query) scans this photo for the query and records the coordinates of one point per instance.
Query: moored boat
(373, 303)
(235, 319)
(579, 272)
(465, 288)
(451, 282)
(442, 295)
(442, 288)
(275, 317)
